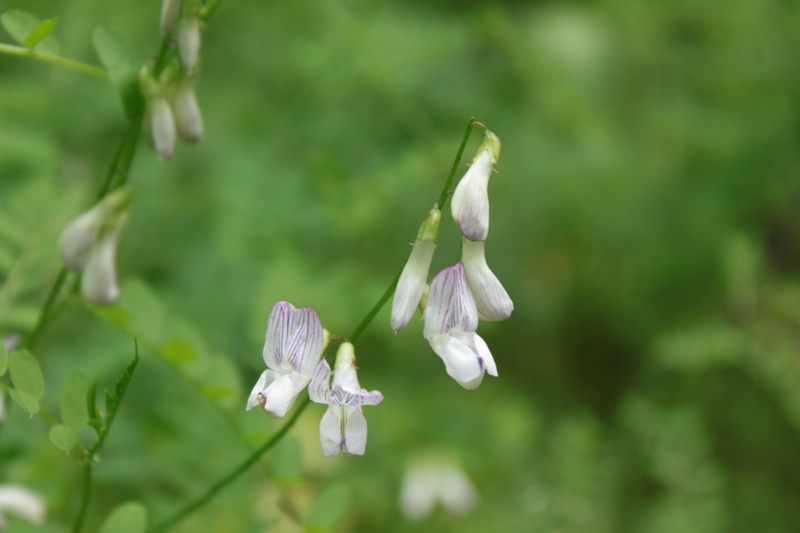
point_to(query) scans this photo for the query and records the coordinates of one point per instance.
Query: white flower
(412, 281)
(160, 126)
(187, 113)
(470, 206)
(451, 318)
(189, 40)
(343, 428)
(491, 298)
(21, 501)
(432, 479)
(170, 10)
(294, 343)
(99, 281)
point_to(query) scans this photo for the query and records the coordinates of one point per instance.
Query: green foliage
(64, 437)
(40, 32)
(129, 517)
(31, 32)
(73, 402)
(329, 508)
(3, 359)
(117, 55)
(27, 379)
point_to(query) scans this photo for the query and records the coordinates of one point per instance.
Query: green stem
(376, 308)
(85, 494)
(48, 304)
(50, 58)
(445, 192)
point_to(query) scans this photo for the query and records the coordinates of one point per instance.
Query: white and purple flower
(293, 346)
(470, 206)
(491, 298)
(343, 428)
(451, 318)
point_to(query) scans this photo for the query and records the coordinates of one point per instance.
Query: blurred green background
(644, 220)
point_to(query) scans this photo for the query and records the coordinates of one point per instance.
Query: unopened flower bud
(187, 113)
(161, 126)
(189, 40)
(412, 281)
(99, 281)
(491, 298)
(170, 11)
(470, 206)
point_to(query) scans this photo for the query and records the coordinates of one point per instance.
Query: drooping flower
(431, 479)
(412, 281)
(491, 298)
(88, 245)
(451, 318)
(160, 126)
(21, 501)
(187, 113)
(293, 346)
(189, 39)
(470, 206)
(343, 428)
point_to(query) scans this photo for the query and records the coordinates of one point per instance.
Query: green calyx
(429, 230)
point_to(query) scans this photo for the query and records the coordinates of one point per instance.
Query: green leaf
(329, 508)
(113, 400)
(26, 374)
(63, 437)
(91, 407)
(3, 359)
(117, 55)
(21, 25)
(40, 31)
(74, 411)
(178, 351)
(26, 401)
(130, 517)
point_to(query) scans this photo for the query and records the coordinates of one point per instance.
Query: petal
(330, 431)
(458, 494)
(450, 303)
(485, 355)
(411, 284)
(461, 362)
(77, 238)
(340, 396)
(355, 431)
(162, 127)
(188, 119)
(189, 41)
(23, 502)
(470, 206)
(281, 394)
(491, 298)
(266, 378)
(344, 372)
(294, 339)
(99, 282)
(419, 489)
(320, 389)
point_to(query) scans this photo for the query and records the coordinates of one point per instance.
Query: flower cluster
(88, 245)
(459, 295)
(294, 344)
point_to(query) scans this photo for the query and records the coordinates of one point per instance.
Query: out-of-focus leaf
(74, 412)
(26, 401)
(40, 31)
(130, 517)
(21, 25)
(26, 374)
(330, 507)
(63, 437)
(117, 55)
(91, 407)
(3, 359)
(178, 351)
(113, 400)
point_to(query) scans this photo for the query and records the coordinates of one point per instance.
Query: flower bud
(161, 126)
(491, 298)
(412, 281)
(189, 40)
(170, 11)
(187, 113)
(99, 281)
(470, 206)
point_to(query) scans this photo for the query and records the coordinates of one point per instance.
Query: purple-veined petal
(491, 298)
(461, 362)
(264, 380)
(340, 396)
(294, 339)
(279, 396)
(320, 389)
(485, 355)
(450, 303)
(470, 205)
(355, 431)
(411, 284)
(330, 431)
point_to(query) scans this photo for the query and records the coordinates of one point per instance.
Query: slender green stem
(446, 190)
(376, 308)
(50, 58)
(85, 494)
(55, 290)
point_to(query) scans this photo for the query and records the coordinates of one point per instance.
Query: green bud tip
(429, 230)
(491, 142)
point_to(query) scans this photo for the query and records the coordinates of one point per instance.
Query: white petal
(470, 205)
(491, 298)
(78, 237)
(340, 396)
(187, 114)
(355, 431)
(99, 282)
(344, 371)
(320, 389)
(189, 41)
(330, 431)
(294, 339)
(281, 394)
(23, 502)
(450, 303)
(461, 362)
(411, 284)
(162, 125)
(419, 489)
(485, 355)
(457, 493)
(266, 378)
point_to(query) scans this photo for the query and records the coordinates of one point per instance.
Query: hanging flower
(188, 120)
(412, 281)
(189, 38)
(451, 318)
(21, 501)
(470, 206)
(491, 298)
(343, 427)
(433, 478)
(293, 346)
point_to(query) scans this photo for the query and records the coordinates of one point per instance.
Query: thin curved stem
(21, 51)
(85, 495)
(446, 190)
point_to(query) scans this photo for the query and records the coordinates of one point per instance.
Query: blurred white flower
(160, 126)
(433, 479)
(189, 40)
(412, 281)
(170, 11)
(470, 206)
(187, 113)
(343, 428)
(491, 298)
(293, 346)
(451, 318)
(21, 501)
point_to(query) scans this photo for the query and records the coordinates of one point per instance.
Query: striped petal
(491, 298)
(451, 305)
(320, 389)
(470, 206)
(294, 339)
